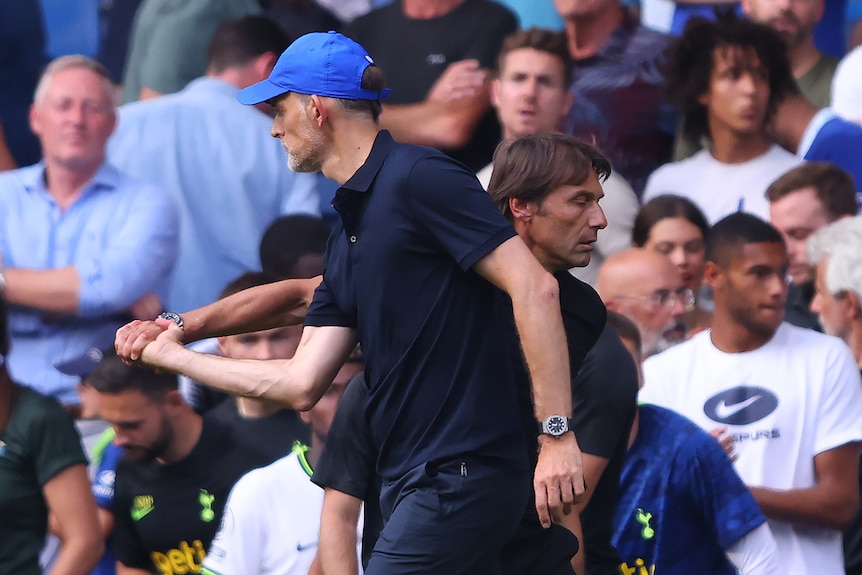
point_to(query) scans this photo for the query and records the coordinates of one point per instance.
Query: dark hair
(663, 207)
(625, 328)
(541, 39)
(372, 79)
(246, 281)
(289, 238)
(734, 231)
(112, 376)
(238, 42)
(834, 187)
(690, 64)
(531, 167)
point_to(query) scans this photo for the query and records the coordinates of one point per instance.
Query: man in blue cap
(406, 271)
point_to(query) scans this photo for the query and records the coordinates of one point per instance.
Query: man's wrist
(174, 317)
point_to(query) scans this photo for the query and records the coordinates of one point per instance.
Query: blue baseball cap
(323, 63)
(83, 365)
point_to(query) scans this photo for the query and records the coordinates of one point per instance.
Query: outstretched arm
(262, 307)
(298, 382)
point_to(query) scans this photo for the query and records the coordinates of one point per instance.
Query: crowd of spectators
(723, 241)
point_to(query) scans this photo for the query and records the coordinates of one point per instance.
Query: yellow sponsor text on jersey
(185, 558)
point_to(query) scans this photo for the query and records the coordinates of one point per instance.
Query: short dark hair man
(802, 201)
(178, 469)
(406, 273)
(791, 397)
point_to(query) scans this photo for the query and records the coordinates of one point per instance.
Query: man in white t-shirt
(530, 93)
(647, 288)
(726, 78)
(271, 520)
(791, 397)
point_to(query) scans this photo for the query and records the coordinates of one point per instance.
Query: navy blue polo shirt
(413, 222)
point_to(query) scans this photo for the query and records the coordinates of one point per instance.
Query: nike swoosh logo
(724, 411)
(138, 514)
(301, 547)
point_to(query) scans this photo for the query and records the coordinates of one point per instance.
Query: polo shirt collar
(363, 178)
(211, 87)
(106, 177)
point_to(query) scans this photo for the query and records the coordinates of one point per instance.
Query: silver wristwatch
(555, 425)
(174, 317)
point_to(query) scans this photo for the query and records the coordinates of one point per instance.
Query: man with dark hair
(791, 397)
(682, 507)
(213, 156)
(293, 247)
(178, 468)
(530, 93)
(801, 202)
(726, 78)
(410, 271)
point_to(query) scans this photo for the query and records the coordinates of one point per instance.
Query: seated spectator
(847, 87)
(795, 22)
(293, 247)
(42, 470)
(436, 57)
(645, 286)
(168, 45)
(217, 160)
(617, 87)
(801, 202)
(531, 96)
(835, 251)
(819, 135)
(84, 245)
(275, 510)
(682, 508)
(676, 228)
(178, 468)
(726, 79)
(791, 398)
(260, 424)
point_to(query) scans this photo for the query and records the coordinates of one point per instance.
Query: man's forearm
(337, 551)
(53, 291)
(444, 125)
(818, 505)
(255, 309)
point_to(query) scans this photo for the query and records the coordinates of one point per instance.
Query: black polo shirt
(413, 222)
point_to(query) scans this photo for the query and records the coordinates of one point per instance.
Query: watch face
(557, 425)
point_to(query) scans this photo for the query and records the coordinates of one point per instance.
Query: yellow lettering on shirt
(185, 559)
(639, 568)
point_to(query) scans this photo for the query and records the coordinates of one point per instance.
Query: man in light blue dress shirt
(216, 158)
(84, 246)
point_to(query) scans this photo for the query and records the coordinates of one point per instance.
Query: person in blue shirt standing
(84, 246)
(410, 272)
(682, 507)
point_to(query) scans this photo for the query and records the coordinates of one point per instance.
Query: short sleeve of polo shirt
(448, 201)
(54, 442)
(348, 458)
(325, 311)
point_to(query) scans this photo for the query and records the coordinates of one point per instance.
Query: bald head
(647, 288)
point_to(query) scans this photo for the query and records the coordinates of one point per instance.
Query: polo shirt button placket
(352, 239)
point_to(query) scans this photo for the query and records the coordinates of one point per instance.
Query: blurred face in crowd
(142, 424)
(797, 216)
(752, 287)
(530, 94)
(293, 126)
(647, 288)
(738, 95)
(835, 312)
(561, 229)
(278, 343)
(73, 117)
(793, 19)
(319, 417)
(682, 242)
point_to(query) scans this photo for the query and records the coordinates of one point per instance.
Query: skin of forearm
(78, 554)
(54, 291)
(818, 505)
(338, 548)
(259, 308)
(540, 327)
(446, 125)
